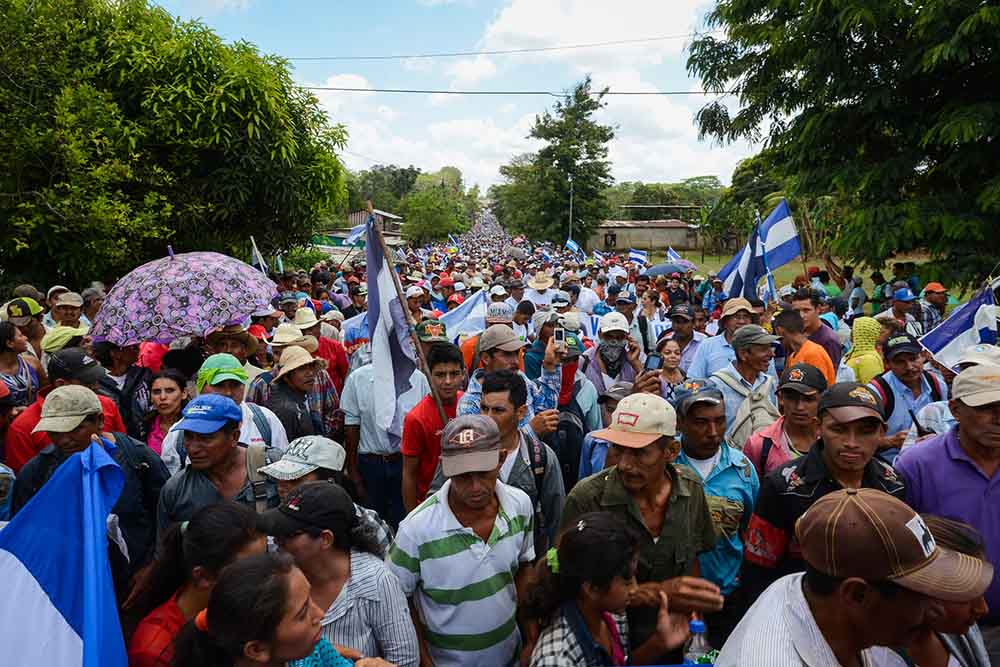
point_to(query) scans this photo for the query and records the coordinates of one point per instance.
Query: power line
(504, 52)
(503, 92)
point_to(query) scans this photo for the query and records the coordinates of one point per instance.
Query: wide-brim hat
(541, 280)
(237, 332)
(292, 358)
(287, 334)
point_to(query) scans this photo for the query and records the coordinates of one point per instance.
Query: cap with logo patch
(693, 391)
(681, 310)
(869, 534)
(311, 506)
(73, 363)
(21, 311)
(613, 321)
(616, 392)
(803, 378)
(850, 401)
(901, 343)
(499, 313)
(208, 413)
(432, 331)
(574, 346)
(470, 443)
(305, 455)
(640, 420)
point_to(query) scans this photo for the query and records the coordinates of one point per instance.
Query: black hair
(594, 549)
(877, 277)
(186, 360)
(697, 308)
(357, 534)
(602, 280)
(8, 332)
(573, 289)
(838, 305)
(824, 276)
(102, 352)
(444, 353)
(210, 540)
(806, 294)
(955, 535)
(174, 376)
(790, 321)
(825, 585)
(756, 303)
(247, 604)
(525, 308)
(509, 381)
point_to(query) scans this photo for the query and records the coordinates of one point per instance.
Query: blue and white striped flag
(598, 256)
(61, 607)
(672, 255)
(256, 258)
(355, 235)
(469, 318)
(546, 256)
(639, 256)
(454, 241)
(771, 244)
(573, 246)
(970, 324)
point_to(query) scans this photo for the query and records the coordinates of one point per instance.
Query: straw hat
(541, 281)
(292, 358)
(305, 318)
(237, 332)
(287, 334)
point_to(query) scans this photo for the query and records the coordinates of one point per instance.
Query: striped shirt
(463, 586)
(371, 614)
(779, 629)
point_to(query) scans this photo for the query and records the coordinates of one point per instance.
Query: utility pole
(570, 206)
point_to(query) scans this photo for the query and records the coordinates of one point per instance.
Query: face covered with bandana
(612, 351)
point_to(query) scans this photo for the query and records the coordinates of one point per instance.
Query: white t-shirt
(705, 466)
(542, 300)
(587, 300)
(521, 330)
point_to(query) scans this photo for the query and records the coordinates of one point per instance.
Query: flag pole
(411, 324)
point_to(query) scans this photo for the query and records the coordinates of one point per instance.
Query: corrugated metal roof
(645, 224)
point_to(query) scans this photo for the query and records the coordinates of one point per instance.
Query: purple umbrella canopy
(189, 294)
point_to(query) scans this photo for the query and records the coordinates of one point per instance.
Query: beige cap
(733, 306)
(976, 386)
(305, 318)
(981, 353)
(614, 321)
(66, 407)
(500, 337)
(69, 299)
(640, 420)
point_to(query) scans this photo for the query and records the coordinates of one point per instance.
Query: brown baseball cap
(869, 534)
(733, 306)
(470, 443)
(500, 337)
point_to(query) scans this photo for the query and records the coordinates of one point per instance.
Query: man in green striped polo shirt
(459, 554)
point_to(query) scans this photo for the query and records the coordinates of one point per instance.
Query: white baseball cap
(614, 321)
(498, 290)
(640, 420)
(413, 291)
(304, 455)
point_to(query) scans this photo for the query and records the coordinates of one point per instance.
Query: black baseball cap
(803, 378)
(681, 310)
(850, 401)
(311, 506)
(73, 363)
(900, 343)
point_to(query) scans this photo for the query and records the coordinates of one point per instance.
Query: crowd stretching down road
(589, 460)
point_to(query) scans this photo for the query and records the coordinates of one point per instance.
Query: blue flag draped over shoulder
(60, 601)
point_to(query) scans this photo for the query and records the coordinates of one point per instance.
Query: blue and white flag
(672, 255)
(355, 235)
(468, 319)
(61, 607)
(256, 258)
(393, 354)
(639, 256)
(970, 324)
(454, 241)
(598, 256)
(771, 244)
(573, 247)
(546, 256)
(400, 254)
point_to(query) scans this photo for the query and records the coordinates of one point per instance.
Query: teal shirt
(731, 490)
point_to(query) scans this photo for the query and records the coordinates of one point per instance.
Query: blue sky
(656, 138)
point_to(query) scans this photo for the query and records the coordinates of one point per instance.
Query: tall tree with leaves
(576, 148)
(888, 104)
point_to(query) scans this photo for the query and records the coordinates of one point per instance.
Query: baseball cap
(614, 289)
(733, 306)
(460, 286)
(21, 311)
(266, 312)
(869, 534)
(447, 281)
(304, 455)
(500, 337)
(432, 331)
(73, 363)
(560, 299)
(681, 310)
(470, 443)
(850, 401)
(640, 420)
(66, 407)
(976, 386)
(498, 290)
(414, 291)
(570, 321)
(901, 343)
(804, 379)
(693, 391)
(58, 338)
(208, 413)
(219, 368)
(288, 297)
(624, 297)
(616, 392)
(317, 505)
(751, 334)
(360, 290)
(574, 346)
(903, 294)
(613, 322)
(69, 299)
(981, 353)
(934, 287)
(29, 291)
(54, 289)
(499, 313)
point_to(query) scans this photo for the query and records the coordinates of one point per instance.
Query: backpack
(755, 412)
(539, 459)
(889, 398)
(567, 440)
(259, 420)
(644, 330)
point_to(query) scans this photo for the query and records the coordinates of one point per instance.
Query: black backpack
(567, 440)
(889, 398)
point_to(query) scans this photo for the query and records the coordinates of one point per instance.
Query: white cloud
(218, 6)
(418, 64)
(509, 107)
(470, 71)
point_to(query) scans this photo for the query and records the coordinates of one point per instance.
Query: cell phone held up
(559, 335)
(654, 362)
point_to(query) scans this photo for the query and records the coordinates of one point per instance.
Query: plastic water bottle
(696, 647)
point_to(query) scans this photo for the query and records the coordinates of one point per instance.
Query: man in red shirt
(422, 427)
(68, 366)
(330, 350)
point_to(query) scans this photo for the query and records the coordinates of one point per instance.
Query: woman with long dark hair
(584, 587)
(177, 584)
(22, 374)
(168, 396)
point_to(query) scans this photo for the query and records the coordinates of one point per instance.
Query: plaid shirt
(559, 646)
(324, 402)
(929, 316)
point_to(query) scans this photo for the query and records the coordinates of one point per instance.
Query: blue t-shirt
(324, 655)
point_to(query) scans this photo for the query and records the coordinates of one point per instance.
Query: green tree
(888, 106)
(576, 147)
(387, 185)
(430, 215)
(123, 129)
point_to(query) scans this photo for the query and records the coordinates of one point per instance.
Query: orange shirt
(813, 354)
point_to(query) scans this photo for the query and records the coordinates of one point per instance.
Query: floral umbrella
(181, 295)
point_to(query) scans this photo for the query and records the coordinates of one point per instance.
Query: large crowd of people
(618, 466)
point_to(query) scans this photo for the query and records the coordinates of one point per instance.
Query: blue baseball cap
(694, 391)
(209, 413)
(624, 297)
(904, 294)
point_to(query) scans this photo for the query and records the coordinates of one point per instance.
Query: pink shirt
(780, 453)
(155, 437)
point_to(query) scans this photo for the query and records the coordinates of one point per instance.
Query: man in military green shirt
(665, 504)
